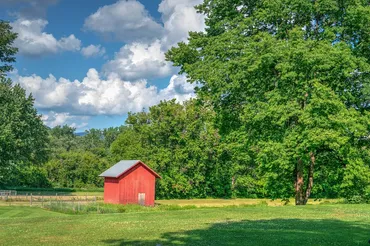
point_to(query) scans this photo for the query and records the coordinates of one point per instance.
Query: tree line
(282, 110)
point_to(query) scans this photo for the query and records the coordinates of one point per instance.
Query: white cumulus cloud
(53, 119)
(93, 51)
(180, 17)
(125, 20)
(178, 88)
(33, 41)
(70, 43)
(139, 60)
(143, 56)
(96, 96)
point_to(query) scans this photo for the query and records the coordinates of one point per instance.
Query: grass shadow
(264, 232)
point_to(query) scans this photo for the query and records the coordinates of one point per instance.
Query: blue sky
(89, 63)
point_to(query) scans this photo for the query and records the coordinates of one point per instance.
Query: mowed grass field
(334, 224)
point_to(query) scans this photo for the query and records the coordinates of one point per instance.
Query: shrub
(355, 200)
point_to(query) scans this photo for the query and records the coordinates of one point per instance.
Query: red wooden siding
(126, 188)
(111, 190)
(138, 180)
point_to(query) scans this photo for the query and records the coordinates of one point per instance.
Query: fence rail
(32, 199)
(8, 192)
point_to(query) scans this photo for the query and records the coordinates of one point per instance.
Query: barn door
(142, 199)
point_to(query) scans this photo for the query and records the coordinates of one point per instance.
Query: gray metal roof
(119, 168)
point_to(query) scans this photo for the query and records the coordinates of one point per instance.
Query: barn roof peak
(123, 166)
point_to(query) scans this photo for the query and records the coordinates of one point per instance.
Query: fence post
(42, 201)
(97, 205)
(31, 200)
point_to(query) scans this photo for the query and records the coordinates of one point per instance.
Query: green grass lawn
(337, 224)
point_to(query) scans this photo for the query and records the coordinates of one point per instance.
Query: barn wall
(137, 180)
(111, 190)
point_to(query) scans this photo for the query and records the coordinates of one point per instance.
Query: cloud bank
(143, 55)
(122, 84)
(96, 96)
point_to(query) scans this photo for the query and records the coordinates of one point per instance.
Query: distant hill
(81, 134)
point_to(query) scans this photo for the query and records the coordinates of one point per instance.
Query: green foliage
(76, 169)
(23, 136)
(76, 161)
(93, 141)
(356, 180)
(357, 200)
(32, 176)
(7, 51)
(127, 146)
(62, 138)
(292, 79)
(181, 143)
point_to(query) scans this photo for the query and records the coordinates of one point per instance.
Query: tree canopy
(292, 78)
(7, 51)
(23, 136)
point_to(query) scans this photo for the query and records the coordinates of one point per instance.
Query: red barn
(130, 182)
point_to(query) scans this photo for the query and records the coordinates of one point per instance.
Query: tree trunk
(310, 177)
(301, 194)
(299, 199)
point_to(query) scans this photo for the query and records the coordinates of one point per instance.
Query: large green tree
(292, 79)
(23, 137)
(7, 51)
